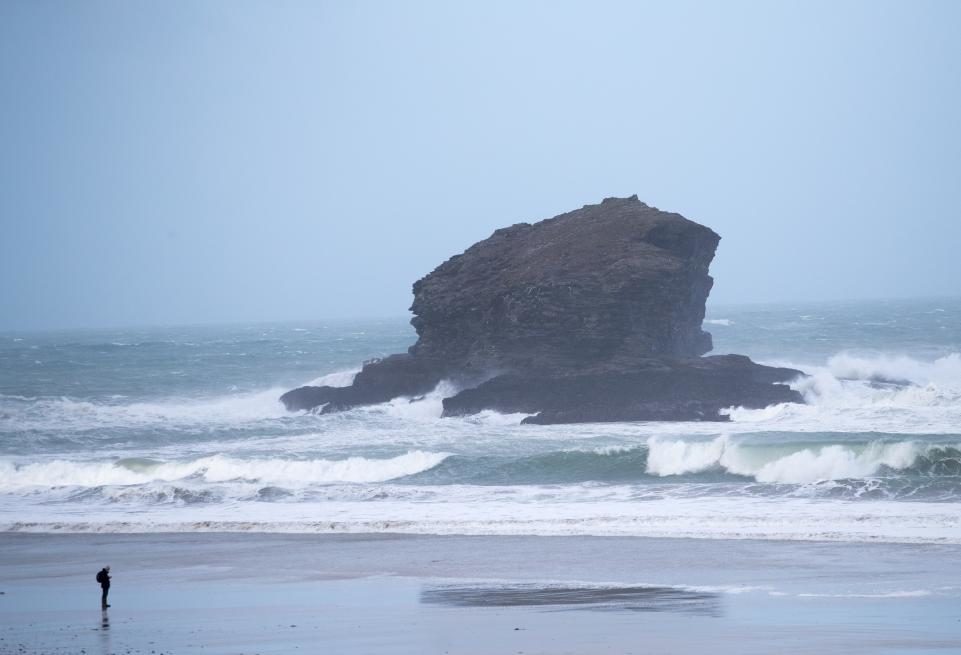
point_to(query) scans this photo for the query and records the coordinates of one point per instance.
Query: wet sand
(261, 593)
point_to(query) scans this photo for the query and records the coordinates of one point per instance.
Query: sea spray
(68, 414)
(899, 395)
(343, 378)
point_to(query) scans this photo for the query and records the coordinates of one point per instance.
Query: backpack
(100, 577)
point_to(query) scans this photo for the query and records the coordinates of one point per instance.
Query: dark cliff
(592, 315)
(600, 287)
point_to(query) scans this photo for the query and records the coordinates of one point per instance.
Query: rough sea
(180, 429)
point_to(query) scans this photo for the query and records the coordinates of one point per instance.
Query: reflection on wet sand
(637, 599)
(105, 644)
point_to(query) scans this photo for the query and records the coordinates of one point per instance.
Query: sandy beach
(247, 593)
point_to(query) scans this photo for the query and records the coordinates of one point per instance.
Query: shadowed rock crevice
(593, 315)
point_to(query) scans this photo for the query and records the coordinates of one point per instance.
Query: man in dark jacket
(103, 577)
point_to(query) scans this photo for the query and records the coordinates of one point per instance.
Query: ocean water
(180, 429)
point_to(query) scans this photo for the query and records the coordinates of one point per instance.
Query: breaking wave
(895, 468)
(218, 468)
(798, 465)
(725, 465)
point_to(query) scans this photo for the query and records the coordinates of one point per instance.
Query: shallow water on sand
(220, 593)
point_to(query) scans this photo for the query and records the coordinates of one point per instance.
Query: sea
(179, 429)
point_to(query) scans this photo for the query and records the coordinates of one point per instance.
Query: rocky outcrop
(656, 390)
(594, 315)
(378, 381)
(598, 287)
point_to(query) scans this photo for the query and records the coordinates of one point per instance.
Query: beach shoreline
(283, 593)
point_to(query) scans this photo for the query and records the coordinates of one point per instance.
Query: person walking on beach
(103, 577)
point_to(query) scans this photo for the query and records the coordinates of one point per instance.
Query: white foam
(493, 418)
(837, 462)
(943, 371)
(217, 468)
(65, 414)
(733, 590)
(493, 513)
(726, 322)
(780, 464)
(851, 393)
(677, 457)
(343, 378)
(916, 593)
(428, 407)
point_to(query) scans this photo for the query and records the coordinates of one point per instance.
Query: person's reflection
(105, 633)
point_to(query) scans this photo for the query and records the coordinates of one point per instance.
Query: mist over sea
(180, 429)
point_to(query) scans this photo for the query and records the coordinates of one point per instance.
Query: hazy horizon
(403, 317)
(223, 163)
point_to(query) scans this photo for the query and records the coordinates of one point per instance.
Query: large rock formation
(594, 315)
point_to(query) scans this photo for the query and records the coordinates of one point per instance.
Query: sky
(232, 161)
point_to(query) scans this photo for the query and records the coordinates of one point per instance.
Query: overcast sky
(186, 162)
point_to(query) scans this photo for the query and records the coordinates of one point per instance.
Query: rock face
(594, 315)
(656, 390)
(595, 288)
